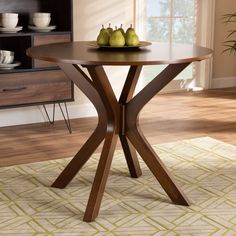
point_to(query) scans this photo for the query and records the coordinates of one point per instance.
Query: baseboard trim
(224, 82)
(36, 114)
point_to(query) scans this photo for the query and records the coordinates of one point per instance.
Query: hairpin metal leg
(66, 118)
(53, 114)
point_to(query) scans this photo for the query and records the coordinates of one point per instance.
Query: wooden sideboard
(35, 82)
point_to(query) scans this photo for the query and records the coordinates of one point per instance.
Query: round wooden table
(118, 118)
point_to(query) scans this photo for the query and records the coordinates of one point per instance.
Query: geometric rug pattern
(204, 168)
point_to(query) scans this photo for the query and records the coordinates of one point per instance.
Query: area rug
(205, 169)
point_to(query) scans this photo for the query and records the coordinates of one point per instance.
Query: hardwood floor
(168, 117)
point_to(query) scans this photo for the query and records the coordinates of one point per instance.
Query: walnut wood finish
(82, 53)
(125, 97)
(31, 87)
(83, 82)
(112, 119)
(119, 117)
(48, 39)
(136, 136)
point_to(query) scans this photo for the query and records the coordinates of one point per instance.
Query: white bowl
(6, 57)
(9, 15)
(41, 14)
(9, 22)
(41, 21)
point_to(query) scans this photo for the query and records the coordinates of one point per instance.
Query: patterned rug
(204, 168)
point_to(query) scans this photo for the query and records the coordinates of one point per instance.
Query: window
(184, 21)
(172, 21)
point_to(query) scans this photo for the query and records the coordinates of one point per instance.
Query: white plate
(10, 30)
(9, 66)
(42, 29)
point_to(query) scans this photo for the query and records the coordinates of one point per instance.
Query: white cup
(41, 14)
(41, 19)
(9, 20)
(11, 15)
(6, 57)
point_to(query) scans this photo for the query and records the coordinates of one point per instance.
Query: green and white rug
(204, 168)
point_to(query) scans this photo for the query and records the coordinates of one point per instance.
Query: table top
(83, 53)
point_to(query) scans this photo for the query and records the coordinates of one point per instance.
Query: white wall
(89, 15)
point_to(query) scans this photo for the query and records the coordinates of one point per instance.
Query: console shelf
(35, 82)
(31, 33)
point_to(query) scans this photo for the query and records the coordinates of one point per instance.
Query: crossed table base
(118, 119)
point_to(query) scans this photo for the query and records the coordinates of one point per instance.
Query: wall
(224, 65)
(89, 15)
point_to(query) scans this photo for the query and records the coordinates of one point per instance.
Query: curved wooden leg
(111, 105)
(131, 157)
(100, 178)
(85, 84)
(80, 158)
(114, 121)
(126, 95)
(136, 137)
(157, 167)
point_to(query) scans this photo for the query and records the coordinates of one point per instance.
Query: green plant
(231, 43)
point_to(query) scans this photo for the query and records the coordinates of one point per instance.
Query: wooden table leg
(118, 118)
(86, 86)
(100, 178)
(100, 93)
(131, 157)
(136, 137)
(112, 107)
(125, 97)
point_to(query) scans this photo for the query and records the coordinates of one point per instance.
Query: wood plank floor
(168, 117)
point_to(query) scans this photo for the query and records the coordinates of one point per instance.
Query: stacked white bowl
(41, 19)
(6, 57)
(9, 20)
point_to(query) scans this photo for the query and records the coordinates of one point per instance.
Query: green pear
(122, 30)
(103, 37)
(130, 30)
(109, 29)
(102, 29)
(131, 38)
(117, 39)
